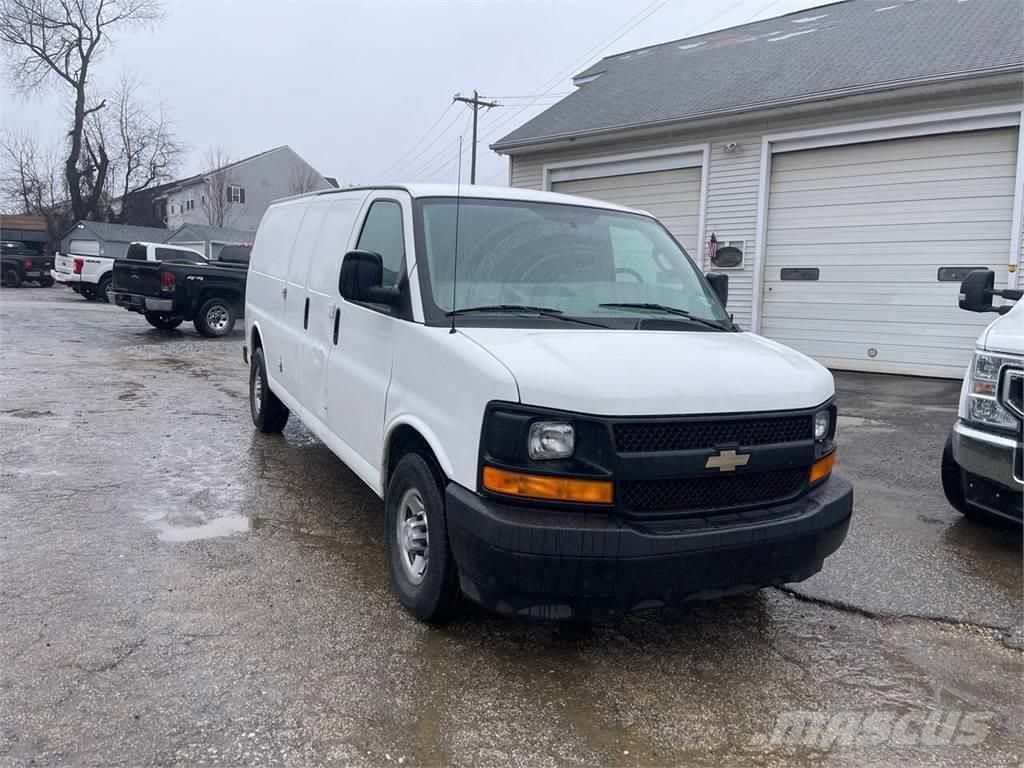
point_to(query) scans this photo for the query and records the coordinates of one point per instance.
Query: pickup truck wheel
(46, 282)
(422, 568)
(105, 290)
(216, 318)
(11, 278)
(162, 321)
(88, 292)
(269, 414)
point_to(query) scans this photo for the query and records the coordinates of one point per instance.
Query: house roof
(214, 234)
(175, 185)
(831, 50)
(118, 233)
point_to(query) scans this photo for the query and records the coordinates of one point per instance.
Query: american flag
(712, 247)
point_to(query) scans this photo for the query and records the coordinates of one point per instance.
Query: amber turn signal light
(822, 468)
(548, 488)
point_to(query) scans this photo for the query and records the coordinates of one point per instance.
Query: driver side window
(383, 233)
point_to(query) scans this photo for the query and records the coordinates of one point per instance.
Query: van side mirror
(720, 285)
(362, 279)
(977, 290)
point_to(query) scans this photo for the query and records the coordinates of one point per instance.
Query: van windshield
(543, 262)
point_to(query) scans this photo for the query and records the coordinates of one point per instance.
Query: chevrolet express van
(551, 399)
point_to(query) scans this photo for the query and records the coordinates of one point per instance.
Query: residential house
(99, 238)
(237, 194)
(852, 161)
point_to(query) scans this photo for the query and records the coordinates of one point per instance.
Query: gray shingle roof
(119, 233)
(214, 234)
(815, 53)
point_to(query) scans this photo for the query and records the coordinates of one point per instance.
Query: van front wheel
(269, 414)
(422, 567)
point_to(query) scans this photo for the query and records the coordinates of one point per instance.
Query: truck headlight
(551, 440)
(822, 421)
(981, 400)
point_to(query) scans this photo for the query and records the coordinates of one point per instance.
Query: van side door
(359, 366)
(295, 312)
(268, 274)
(335, 239)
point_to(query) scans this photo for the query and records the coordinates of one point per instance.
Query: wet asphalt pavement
(176, 588)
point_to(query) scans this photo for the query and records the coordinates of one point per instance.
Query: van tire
(216, 318)
(11, 278)
(269, 414)
(163, 322)
(438, 596)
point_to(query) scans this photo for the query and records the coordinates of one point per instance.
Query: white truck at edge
(91, 276)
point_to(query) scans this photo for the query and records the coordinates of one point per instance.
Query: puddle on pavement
(861, 422)
(211, 529)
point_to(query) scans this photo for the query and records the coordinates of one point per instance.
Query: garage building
(850, 163)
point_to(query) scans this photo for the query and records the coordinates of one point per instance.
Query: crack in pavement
(1004, 632)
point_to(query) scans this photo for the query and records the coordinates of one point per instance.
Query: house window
(202, 198)
(190, 200)
(236, 194)
(172, 207)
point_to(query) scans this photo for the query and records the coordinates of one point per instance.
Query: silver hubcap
(217, 318)
(110, 292)
(411, 534)
(257, 392)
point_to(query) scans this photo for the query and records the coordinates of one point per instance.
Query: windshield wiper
(555, 314)
(666, 309)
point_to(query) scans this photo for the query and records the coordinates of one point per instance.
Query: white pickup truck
(92, 276)
(982, 472)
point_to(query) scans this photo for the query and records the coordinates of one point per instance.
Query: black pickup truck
(210, 294)
(18, 264)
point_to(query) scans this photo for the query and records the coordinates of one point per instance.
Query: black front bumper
(553, 564)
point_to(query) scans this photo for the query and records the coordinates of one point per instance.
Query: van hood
(1005, 333)
(641, 373)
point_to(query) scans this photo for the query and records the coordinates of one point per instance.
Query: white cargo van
(549, 396)
(983, 461)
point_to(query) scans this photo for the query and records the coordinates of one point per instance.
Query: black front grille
(658, 436)
(711, 492)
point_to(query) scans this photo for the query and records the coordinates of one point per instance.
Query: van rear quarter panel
(441, 383)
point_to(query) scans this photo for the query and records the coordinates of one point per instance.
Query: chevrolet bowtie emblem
(727, 461)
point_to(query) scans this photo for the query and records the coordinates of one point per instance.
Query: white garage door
(672, 196)
(857, 236)
(84, 247)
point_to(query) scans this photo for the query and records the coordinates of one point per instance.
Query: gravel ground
(176, 588)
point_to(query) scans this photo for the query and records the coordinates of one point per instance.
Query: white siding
(672, 196)
(878, 220)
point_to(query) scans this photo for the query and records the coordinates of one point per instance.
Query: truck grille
(661, 436)
(699, 494)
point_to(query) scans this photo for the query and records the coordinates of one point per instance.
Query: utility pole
(475, 104)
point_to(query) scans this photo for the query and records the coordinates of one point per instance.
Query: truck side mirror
(976, 290)
(720, 285)
(362, 279)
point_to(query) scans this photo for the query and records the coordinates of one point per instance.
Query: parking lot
(175, 587)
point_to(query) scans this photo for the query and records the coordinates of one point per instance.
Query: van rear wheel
(269, 414)
(422, 568)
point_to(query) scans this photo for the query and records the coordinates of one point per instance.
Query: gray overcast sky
(351, 86)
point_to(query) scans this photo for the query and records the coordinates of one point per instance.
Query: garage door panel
(944, 145)
(877, 220)
(924, 186)
(672, 196)
(897, 168)
(84, 247)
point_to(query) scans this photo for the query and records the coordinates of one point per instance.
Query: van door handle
(305, 316)
(337, 320)
(331, 309)
(284, 292)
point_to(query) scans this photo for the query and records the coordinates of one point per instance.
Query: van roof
(474, 191)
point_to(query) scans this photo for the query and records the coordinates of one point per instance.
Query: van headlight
(551, 440)
(822, 421)
(981, 399)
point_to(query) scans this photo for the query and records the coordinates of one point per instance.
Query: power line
(420, 141)
(430, 167)
(432, 142)
(475, 104)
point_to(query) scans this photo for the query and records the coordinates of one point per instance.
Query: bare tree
(303, 179)
(143, 148)
(58, 41)
(31, 182)
(217, 203)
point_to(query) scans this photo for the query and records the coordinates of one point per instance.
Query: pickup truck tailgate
(139, 277)
(64, 264)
